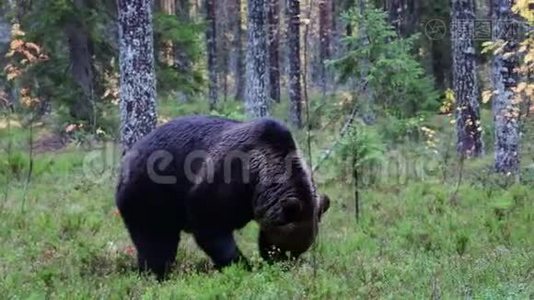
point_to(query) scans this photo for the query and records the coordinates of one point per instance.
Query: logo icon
(435, 29)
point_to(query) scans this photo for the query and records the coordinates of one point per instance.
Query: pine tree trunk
(224, 43)
(395, 11)
(239, 57)
(81, 67)
(182, 62)
(167, 53)
(211, 43)
(506, 107)
(325, 32)
(137, 80)
(274, 48)
(183, 8)
(293, 32)
(256, 101)
(403, 15)
(469, 130)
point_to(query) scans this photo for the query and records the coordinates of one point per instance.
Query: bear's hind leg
(220, 246)
(156, 251)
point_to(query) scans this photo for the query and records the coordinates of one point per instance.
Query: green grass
(61, 238)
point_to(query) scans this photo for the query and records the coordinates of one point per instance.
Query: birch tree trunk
(256, 100)
(295, 90)
(505, 105)
(137, 80)
(469, 130)
(211, 43)
(274, 48)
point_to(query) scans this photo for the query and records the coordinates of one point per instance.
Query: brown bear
(210, 176)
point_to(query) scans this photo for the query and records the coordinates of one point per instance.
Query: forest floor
(61, 237)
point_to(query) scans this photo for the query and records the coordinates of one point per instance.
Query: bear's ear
(324, 204)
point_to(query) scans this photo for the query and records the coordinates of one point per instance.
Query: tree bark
(505, 105)
(239, 57)
(137, 80)
(183, 8)
(325, 32)
(256, 101)
(211, 43)
(403, 15)
(293, 32)
(81, 66)
(167, 53)
(465, 86)
(274, 48)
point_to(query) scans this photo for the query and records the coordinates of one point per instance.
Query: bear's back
(172, 146)
(184, 134)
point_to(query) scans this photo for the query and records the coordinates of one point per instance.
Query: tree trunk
(224, 43)
(81, 67)
(274, 48)
(325, 32)
(506, 107)
(5, 39)
(239, 57)
(293, 32)
(167, 53)
(182, 62)
(183, 8)
(469, 130)
(403, 15)
(256, 102)
(211, 44)
(395, 11)
(137, 80)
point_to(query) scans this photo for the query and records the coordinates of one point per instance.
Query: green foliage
(362, 145)
(395, 130)
(45, 24)
(230, 109)
(361, 153)
(399, 82)
(186, 38)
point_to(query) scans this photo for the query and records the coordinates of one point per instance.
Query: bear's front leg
(220, 246)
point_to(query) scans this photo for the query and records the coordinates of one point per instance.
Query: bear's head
(289, 241)
(290, 211)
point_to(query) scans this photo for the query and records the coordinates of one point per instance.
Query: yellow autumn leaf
(521, 87)
(507, 55)
(486, 96)
(11, 76)
(15, 44)
(33, 46)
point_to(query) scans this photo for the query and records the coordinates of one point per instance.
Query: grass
(413, 240)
